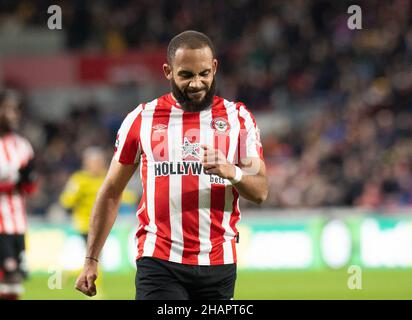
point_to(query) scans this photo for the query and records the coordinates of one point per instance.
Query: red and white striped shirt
(185, 215)
(15, 153)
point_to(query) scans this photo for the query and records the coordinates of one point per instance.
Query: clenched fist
(215, 162)
(85, 283)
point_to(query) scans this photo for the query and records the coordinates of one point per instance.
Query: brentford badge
(220, 125)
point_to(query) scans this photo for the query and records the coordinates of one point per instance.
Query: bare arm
(102, 219)
(254, 184)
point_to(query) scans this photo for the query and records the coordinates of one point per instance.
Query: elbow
(263, 194)
(261, 197)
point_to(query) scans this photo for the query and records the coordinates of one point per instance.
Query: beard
(191, 105)
(7, 126)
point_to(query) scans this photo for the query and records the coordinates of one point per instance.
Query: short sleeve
(127, 146)
(250, 143)
(29, 151)
(25, 150)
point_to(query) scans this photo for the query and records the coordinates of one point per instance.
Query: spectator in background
(81, 189)
(17, 179)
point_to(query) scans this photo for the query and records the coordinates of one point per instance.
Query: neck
(174, 98)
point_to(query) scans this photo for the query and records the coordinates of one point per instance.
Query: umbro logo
(160, 127)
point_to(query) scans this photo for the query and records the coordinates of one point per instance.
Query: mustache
(196, 91)
(182, 96)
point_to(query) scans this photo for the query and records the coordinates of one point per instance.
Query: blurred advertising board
(321, 242)
(295, 242)
(36, 72)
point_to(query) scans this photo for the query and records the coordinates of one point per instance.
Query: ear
(214, 66)
(167, 70)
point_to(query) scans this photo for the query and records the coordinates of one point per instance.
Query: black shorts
(12, 255)
(158, 279)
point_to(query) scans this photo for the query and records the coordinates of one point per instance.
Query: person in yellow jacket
(81, 189)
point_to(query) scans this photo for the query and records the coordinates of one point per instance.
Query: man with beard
(17, 179)
(198, 152)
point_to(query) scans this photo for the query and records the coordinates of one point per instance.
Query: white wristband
(238, 176)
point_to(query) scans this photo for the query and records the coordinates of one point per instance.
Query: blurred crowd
(59, 147)
(349, 157)
(272, 54)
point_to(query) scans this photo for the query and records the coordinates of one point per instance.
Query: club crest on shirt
(220, 125)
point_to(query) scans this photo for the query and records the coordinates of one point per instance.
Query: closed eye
(185, 75)
(205, 73)
(188, 75)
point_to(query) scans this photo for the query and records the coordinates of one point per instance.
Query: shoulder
(228, 104)
(162, 101)
(222, 103)
(131, 118)
(78, 176)
(23, 143)
(136, 111)
(242, 108)
(84, 179)
(20, 139)
(235, 106)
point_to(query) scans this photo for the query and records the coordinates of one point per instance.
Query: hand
(215, 162)
(85, 283)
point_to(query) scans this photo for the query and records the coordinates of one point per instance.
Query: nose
(196, 84)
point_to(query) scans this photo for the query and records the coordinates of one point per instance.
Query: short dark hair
(188, 39)
(7, 94)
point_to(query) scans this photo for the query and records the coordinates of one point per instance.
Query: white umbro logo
(160, 127)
